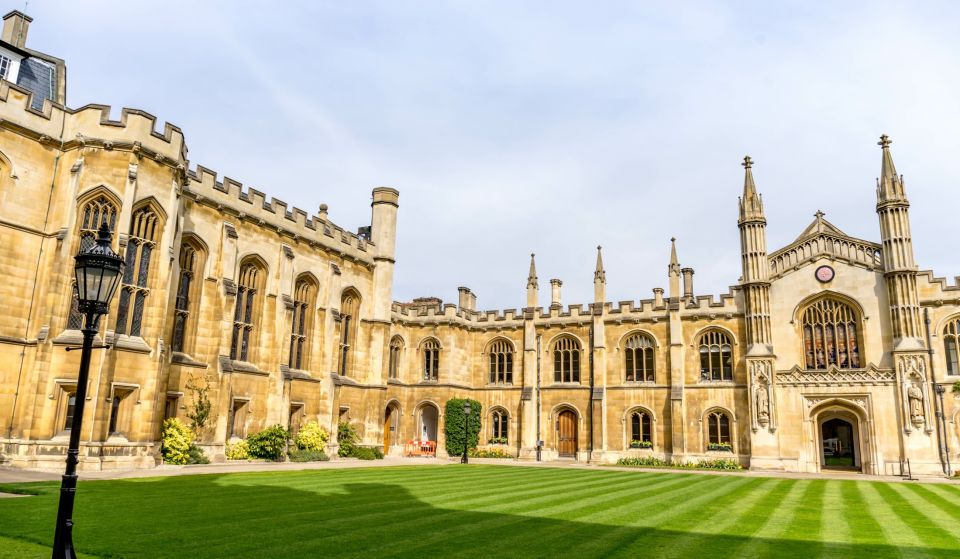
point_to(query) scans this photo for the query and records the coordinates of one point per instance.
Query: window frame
(633, 344)
(641, 420)
(500, 425)
(430, 347)
(146, 226)
(96, 208)
(712, 345)
(394, 357)
(566, 352)
(247, 303)
(951, 337)
(190, 262)
(500, 359)
(831, 335)
(718, 421)
(301, 322)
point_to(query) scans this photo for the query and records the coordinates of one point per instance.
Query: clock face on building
(824, 273)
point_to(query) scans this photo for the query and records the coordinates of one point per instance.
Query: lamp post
(940, 389)
(97, 272)
(466, 430)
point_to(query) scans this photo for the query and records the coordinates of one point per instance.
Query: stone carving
(835, 375)
(913, 369)
(763, 405)
(761, 380)
(915, 396)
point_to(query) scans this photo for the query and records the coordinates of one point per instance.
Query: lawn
(487, 511)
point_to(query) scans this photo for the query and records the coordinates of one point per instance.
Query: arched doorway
(567, 434)
(839, 441)
(391, 421)
(427, 422)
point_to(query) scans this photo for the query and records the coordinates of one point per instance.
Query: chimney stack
(468, 300)
(687, 283)
(657, 297)
(15, 26)
(555, 285)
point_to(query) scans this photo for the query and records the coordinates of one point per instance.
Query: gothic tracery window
(951, 346)
(95, 212)
(133, 291)
(349, 315)
(718, 428)
(716, 356)
(189, 263)
(248, 289)
(830, 335)
(396, 346)
(638, 358)
(566, 360)
(501, 362)
(303, 296)
(431, 359)
(500, 420)
(640, 427)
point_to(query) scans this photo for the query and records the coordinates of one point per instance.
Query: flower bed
(653, 462)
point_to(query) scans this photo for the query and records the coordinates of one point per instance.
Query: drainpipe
(590, 404)
(938, 410)
(539, 446)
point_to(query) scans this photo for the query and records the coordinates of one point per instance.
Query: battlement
(90, 125)
(940, 283)
(229, 196)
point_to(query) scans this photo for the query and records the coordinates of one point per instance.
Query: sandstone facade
(827, 352)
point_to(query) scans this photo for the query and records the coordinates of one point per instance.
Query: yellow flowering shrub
(312, 437)
(238, 451)
(175, 441)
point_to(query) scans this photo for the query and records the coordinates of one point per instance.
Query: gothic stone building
(827, 353)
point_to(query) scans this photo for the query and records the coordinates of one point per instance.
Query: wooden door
(567, 434)
(387, 428)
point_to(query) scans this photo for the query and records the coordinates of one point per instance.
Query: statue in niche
(763, 405)
(915, 397)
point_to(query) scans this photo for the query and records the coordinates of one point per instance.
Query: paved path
(10, 475)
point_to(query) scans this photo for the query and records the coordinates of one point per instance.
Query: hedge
(453, 425)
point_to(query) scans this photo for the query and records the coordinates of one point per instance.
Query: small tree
(453, 426)
(347, 438)
(201, 408)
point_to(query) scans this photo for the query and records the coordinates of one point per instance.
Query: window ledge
(500, 384)
(709, 381)
(179, 358)
(130, 343)
(69, 337)
(248, 368)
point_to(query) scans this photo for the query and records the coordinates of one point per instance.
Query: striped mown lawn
(490, 511)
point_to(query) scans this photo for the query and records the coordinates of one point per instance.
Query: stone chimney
(15, 26)
(468, 300)
(555, 286)
(657, 297)
(687, 283)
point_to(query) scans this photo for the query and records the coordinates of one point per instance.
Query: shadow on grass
(304, 514)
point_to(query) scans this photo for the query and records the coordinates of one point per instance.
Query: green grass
(488, 511)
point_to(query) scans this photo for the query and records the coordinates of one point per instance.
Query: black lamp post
(97, 271)
(940, 390)
(466, 430)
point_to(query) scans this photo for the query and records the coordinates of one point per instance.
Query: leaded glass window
(133, 291)
(349, 315)
(500, 422)
(243, 312)
(396, 346)
(501, 362)
(431, 359)
(951, 346)
(301, 323)
(640, 427)
(716, 356)
(830, 336)
(566, 360)
(638, 358)
(188, 268)
(718, 428)
(92, 215)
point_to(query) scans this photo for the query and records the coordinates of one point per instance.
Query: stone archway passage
(388, 428)
(567, 434)
(838, 445)
(428, 423)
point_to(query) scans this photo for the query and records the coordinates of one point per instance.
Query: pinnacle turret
(599, 275)
(532, 276)
(751, 203)
(890, 184)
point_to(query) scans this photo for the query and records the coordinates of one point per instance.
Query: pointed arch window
(718, 428)
(638, 358)
(500, 421)
(640, 428)
(716, 356)
(95, 212)
(304, 293)
(831, 335)
(951, 346)
(501, 362)
(247, 305)
(349, 314)
(190, 259)
(396, 346)
(431, 360)
(566, 360)
(133, 291)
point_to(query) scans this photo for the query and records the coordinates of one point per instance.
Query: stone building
(827, 352)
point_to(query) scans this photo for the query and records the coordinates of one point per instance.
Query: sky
(512, 128)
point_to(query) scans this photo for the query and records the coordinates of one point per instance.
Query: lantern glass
(466, 408)
(97, 272)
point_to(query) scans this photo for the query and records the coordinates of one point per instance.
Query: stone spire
(751, 204)
(599, 279)
(889, 185)
(533, 288)
(674, 270)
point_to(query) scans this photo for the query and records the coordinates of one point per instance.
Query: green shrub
(312, 437)
(956, 387)
(722, 447)
(175, 441)
(489, 453)
(641, 444)
(238, 451)
(653, 462)
(347, 438)
(299, 455)
(196, 456)
(367, 453)
(270, 443)
(497, 440)
(453, 425)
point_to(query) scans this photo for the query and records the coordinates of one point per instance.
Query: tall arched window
(396, 346)
(501, 362)
(716, 356)
(718, 428)
(304, 293)
(95, 212)
(190, 261)
(133, 292)
(431, 359)
(638, 358)
(951, 346)
(245, 311)
(349, 317)
(566, 360)
(830, 335)
(500, 421)
(640, 428)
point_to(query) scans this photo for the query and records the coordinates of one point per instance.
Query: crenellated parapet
(230, 198)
